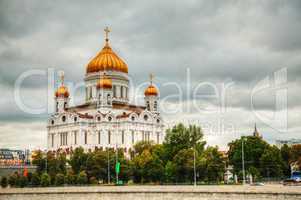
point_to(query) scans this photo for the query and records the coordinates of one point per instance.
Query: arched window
(52, 122)
(145, 117)
(90, 92)
(155, 105)
(99, 136)
(109, 99)
(110, 118)
(122, 137)
(109, 137)
(75, 119)
(133, 118)
(86, 137)
(52, 140)
(75, 137)
(121, 91)
(114, 90)
(133, 137)
(64, 118)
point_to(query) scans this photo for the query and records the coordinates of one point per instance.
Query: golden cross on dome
(107, 31)
(151, 77)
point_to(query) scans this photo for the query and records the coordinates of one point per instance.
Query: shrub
(22, 181)
(12, 179)
(29, 177)
(93, 180)
(59, 179)
(82, 178)
(4, 182)
(35, 179)
(71, 178)
(45, 180)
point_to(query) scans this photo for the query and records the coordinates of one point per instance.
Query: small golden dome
(62, 91)
(151, 91)
(105, 82)
(107, 59)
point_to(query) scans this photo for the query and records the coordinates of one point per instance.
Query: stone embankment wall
(154, 193)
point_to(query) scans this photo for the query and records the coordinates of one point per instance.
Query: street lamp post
(116, 164)
(243, 161)
(108, 165)
(194, 168)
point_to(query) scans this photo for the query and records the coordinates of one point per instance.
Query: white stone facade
(104, 125)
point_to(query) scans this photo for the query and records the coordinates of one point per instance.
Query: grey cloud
(242, 41)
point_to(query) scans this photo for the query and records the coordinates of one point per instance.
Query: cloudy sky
(223, 65)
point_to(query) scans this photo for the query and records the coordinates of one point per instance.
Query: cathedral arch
(146, 116)
(63, 118)
(133, 117)
(110, 117)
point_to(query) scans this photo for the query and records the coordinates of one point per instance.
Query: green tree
(45, 180)
(296, 156)
(125, 171)
(285, 154)
(184, 165)
(255, 173)
(56, 164)
(78, 160)
(146, 165)
(181, 137)
(4, 182)
(271, 163)
(254, 147)
(138, 167)
(97, 164)
(169, 172)
(214, 164)
(39, 159)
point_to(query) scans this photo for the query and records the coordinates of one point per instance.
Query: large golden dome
(107, 60)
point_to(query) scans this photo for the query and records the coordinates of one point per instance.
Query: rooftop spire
(151, 77)
(61, 75)
(107, 31)
(256, 133)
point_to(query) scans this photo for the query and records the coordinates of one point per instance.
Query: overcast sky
(234, 43)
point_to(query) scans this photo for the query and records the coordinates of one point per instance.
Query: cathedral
(106, 119)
